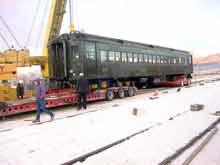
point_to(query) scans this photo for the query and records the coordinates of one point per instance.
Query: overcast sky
(191, 25)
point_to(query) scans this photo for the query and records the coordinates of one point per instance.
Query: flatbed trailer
(67, 96)
(61, 97)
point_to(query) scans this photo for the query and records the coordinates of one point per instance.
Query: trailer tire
(130, 91)
(121, 93)
(109, 95)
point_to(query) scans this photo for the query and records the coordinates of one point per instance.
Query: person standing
(82, 88)
(40, 101)
(20, 90)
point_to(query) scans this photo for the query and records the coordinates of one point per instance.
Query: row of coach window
(127, 57)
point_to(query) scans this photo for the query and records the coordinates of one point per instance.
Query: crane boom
(57, 11)
(57, 18)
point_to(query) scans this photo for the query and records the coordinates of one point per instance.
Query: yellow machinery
(57, 11)
(9, 61)
(11, 58)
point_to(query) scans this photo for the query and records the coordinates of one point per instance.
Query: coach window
(177, 61)
(165, 59)
(124, 57)
(171, 60)
(150, 59)
(111, 56)
(161, 59)
(190, 60)
(130, 57)
(146, 58)
(183, 60)
(154, 59)
(168, 59)
(103, 55)
(158, 59)
(117, 56)
(186, 60)
(140, 58)
(90, 51)
(174, 60)
(135, 57)
(180, 60)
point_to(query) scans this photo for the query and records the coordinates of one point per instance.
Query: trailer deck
(56, 98)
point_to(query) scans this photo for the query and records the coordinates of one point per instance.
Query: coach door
(90, 60)
(57, 60)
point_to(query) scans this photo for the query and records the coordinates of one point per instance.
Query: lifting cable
(71, 11)
(10, 31)
(32, 24)
(4, 39)
(46, 6)
(72, 28)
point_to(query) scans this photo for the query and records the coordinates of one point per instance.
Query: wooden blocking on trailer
(134, 111)
(196, 107)
(178, 89)
(138, 111)
(155, 95)
(201, 83)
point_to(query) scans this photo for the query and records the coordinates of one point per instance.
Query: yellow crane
(57, 11)
(10, 58)
(8, 71)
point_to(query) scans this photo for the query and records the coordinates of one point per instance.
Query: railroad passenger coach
(115, 60)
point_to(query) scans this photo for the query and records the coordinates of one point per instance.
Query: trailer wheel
(109, 95)
(130, 91)
(121, 93)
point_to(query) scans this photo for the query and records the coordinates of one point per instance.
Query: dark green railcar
(103, 58)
